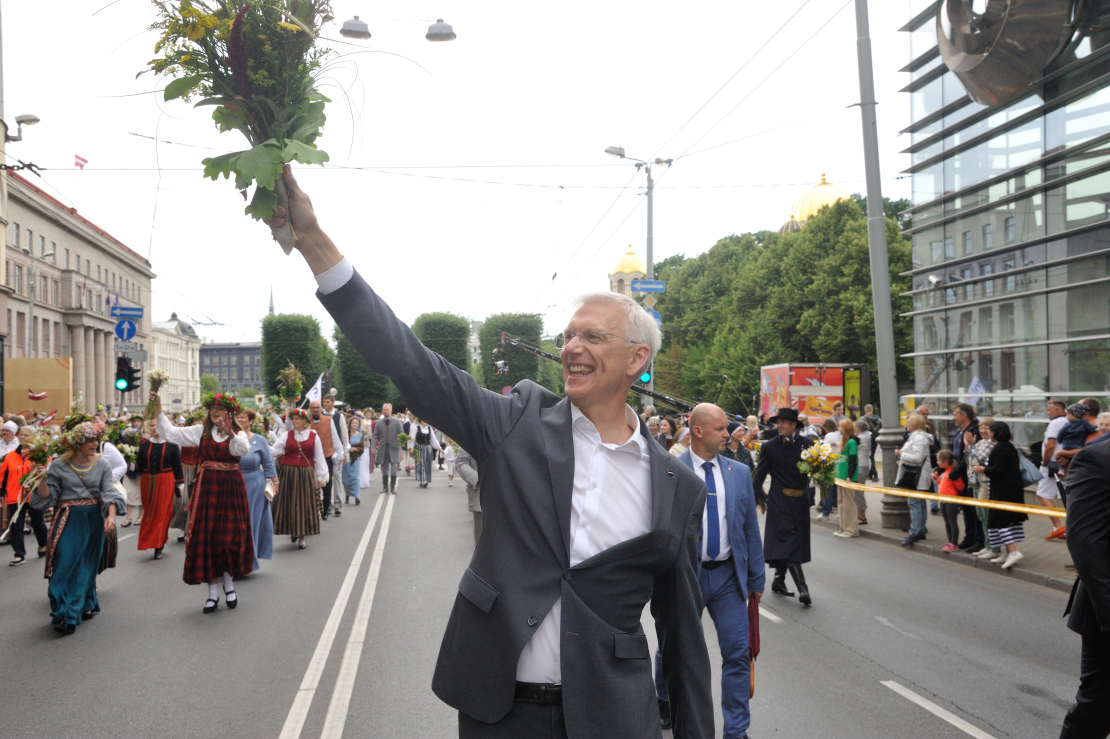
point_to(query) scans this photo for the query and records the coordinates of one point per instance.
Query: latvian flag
(79, 161)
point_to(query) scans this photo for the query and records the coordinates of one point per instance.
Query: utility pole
(650, 256)
(895, 513)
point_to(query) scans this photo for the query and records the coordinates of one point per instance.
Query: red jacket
(12, 470)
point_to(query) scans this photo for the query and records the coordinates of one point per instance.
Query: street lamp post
(895, 513)
(618, 151)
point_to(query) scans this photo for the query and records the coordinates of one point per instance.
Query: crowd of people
(228, 478)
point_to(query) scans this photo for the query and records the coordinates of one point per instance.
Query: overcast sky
(485, 171)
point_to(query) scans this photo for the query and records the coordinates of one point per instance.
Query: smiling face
(244, 420)
(300, 423)
(596, 372)
(314, 409)
(328, 403)
(7, 436)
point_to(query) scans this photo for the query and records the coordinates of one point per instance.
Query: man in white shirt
(585, 521)
(1048, 489)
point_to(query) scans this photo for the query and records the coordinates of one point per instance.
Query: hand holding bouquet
(290, 384)
(819, 462)
(157, 378)
(255, 61)
(40, 449)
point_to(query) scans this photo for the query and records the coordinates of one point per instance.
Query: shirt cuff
(336, 277)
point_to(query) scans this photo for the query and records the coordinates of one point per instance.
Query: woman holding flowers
(303, 471)
(159, 467)
(13, 473)
(218, 543)
(257, 465)
(79, 485)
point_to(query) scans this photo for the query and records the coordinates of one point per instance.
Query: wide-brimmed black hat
(786, 414)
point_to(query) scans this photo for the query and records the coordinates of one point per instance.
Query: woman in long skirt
(426, 444)
(258, 465)
(302, 471)
(353, 469)
(218, 543)
(180, 518)
(159, 466)
(79, 487)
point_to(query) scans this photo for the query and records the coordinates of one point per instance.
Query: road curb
(1018, 573)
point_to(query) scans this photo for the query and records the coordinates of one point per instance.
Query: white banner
(314, 393)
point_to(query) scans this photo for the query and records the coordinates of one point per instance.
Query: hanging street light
(355, 28)
(440, 31)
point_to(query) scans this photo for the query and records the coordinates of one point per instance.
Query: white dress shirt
(722, 519)
(191, 435)
(336, 277)
(320, 463)
(336, 439)
(610, 503)
(115, 459)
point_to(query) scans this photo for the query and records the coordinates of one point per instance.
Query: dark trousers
(389, 476)
(37, 525)
(326, 491)
(1089, 718)
(523, 721)
(973, 532)
(951, 513)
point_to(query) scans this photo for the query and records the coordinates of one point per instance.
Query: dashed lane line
(769, 616)
(294, 721)
(936, 710)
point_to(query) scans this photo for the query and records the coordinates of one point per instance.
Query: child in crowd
(946, 485)
(1078, 428)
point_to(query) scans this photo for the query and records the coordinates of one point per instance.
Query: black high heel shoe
(210, 608)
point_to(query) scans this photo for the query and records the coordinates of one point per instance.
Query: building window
(15, 238)
(988, 285)
(986, 325)
(66, 264)
(969, 246)
(1010, 282)
(45, 292)
(969, 290)
(42, 246)
(53, 252)
(78, 262)
(1011, 229)
(98, 273)
(54, 293)
(937, 248)
(18, 279)
(1007, 321)
(8, 274)
(988, 235)
(30, 242)
(949, 247)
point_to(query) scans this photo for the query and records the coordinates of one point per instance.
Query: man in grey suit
(388, 454)
(585, 521)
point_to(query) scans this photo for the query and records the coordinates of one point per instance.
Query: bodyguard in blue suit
(730, 563)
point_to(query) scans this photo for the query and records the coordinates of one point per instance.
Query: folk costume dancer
(332, 445)
(352, 470)
(302, 471)
(730, 566)
(80, 487)
(256, 466)
(218, 542)
(342, 451)
(786, 533)
(180, 519)
(428, 446)
(159, 466)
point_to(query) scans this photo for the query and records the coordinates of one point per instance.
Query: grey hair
(640, 328)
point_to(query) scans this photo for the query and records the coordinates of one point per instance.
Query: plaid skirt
(180, 518)
(219, 538)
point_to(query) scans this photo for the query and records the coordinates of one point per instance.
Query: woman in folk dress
(302, 471)
(257, 465)
(159, 467)
(218, 543)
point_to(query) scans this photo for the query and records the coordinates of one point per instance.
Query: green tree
(209, 384)
(895, 209)
(522, 365)
(446, 334)
(289, 337)
(356, 382)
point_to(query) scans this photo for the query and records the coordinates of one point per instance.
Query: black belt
(716, 563)
(545, 694)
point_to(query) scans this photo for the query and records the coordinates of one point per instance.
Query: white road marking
(769, 616)
(294, 722)
(936, 710)
(124, 538)
(348, 669)
(889, 625)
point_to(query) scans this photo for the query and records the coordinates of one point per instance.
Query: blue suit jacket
(743, 524)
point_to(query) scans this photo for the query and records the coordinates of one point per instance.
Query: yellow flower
(195, 31)
(262, 37)
(289, 26)
(186, 58)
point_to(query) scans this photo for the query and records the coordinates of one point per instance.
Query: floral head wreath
(85, 432)
(75, 419)
(299, 413)
(221, 400)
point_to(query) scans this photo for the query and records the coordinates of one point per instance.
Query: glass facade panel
(1079, 203)
(1078, 122)
(1014, 148)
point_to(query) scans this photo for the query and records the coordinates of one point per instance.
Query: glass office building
(1011, 234)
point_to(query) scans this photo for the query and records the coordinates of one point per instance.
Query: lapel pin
(670, 472)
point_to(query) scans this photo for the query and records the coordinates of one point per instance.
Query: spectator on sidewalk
(964, 436)
(735, 449)
(668, 430)
(1005, 528)
(946, 485)
(1048, 487)
(873, 420)
(847, 468)
(838, 413)
(1088, 523)
(830, 435)
(915, 473)
(977, 456)
(866, 462)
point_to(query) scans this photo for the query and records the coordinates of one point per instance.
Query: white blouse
(190, 436)
(278, 449)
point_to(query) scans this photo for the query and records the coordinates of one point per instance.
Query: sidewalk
(1045, 562)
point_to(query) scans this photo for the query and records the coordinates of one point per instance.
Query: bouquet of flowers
(130, 453)
(819, 462)
(290, 384)
(40, 449)
(157, 378)
(256, 62)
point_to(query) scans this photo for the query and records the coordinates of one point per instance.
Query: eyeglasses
(588, 335)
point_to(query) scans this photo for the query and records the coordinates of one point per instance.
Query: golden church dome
(815, 198)
(630, 264)
(791, 226)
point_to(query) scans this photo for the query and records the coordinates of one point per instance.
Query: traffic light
(646, 377)
(128, 378)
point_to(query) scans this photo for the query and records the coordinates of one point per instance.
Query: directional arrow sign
(649, 286)
(125, 311)
(655, 314)
(125, 329)
(650, 301)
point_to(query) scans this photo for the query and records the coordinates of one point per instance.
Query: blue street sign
(125, 329)
(655, 314)
(649, 286)
(126, 311)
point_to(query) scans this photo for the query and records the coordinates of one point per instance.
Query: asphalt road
(988, 650)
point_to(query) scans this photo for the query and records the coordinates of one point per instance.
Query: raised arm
(183, 436)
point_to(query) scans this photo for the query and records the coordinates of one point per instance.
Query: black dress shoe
(337, 512)
(158, 554)
(180, 539)
(664, 714)
(65, 629)
(209, 608)
(779, 588)
(358, 501)
(231, 603)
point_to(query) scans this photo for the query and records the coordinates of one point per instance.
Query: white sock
(213, 594)
(229, 590)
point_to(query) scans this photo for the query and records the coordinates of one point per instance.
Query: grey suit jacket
(385, 441)
(521, 565)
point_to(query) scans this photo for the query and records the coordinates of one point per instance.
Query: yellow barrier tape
(997, 505)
